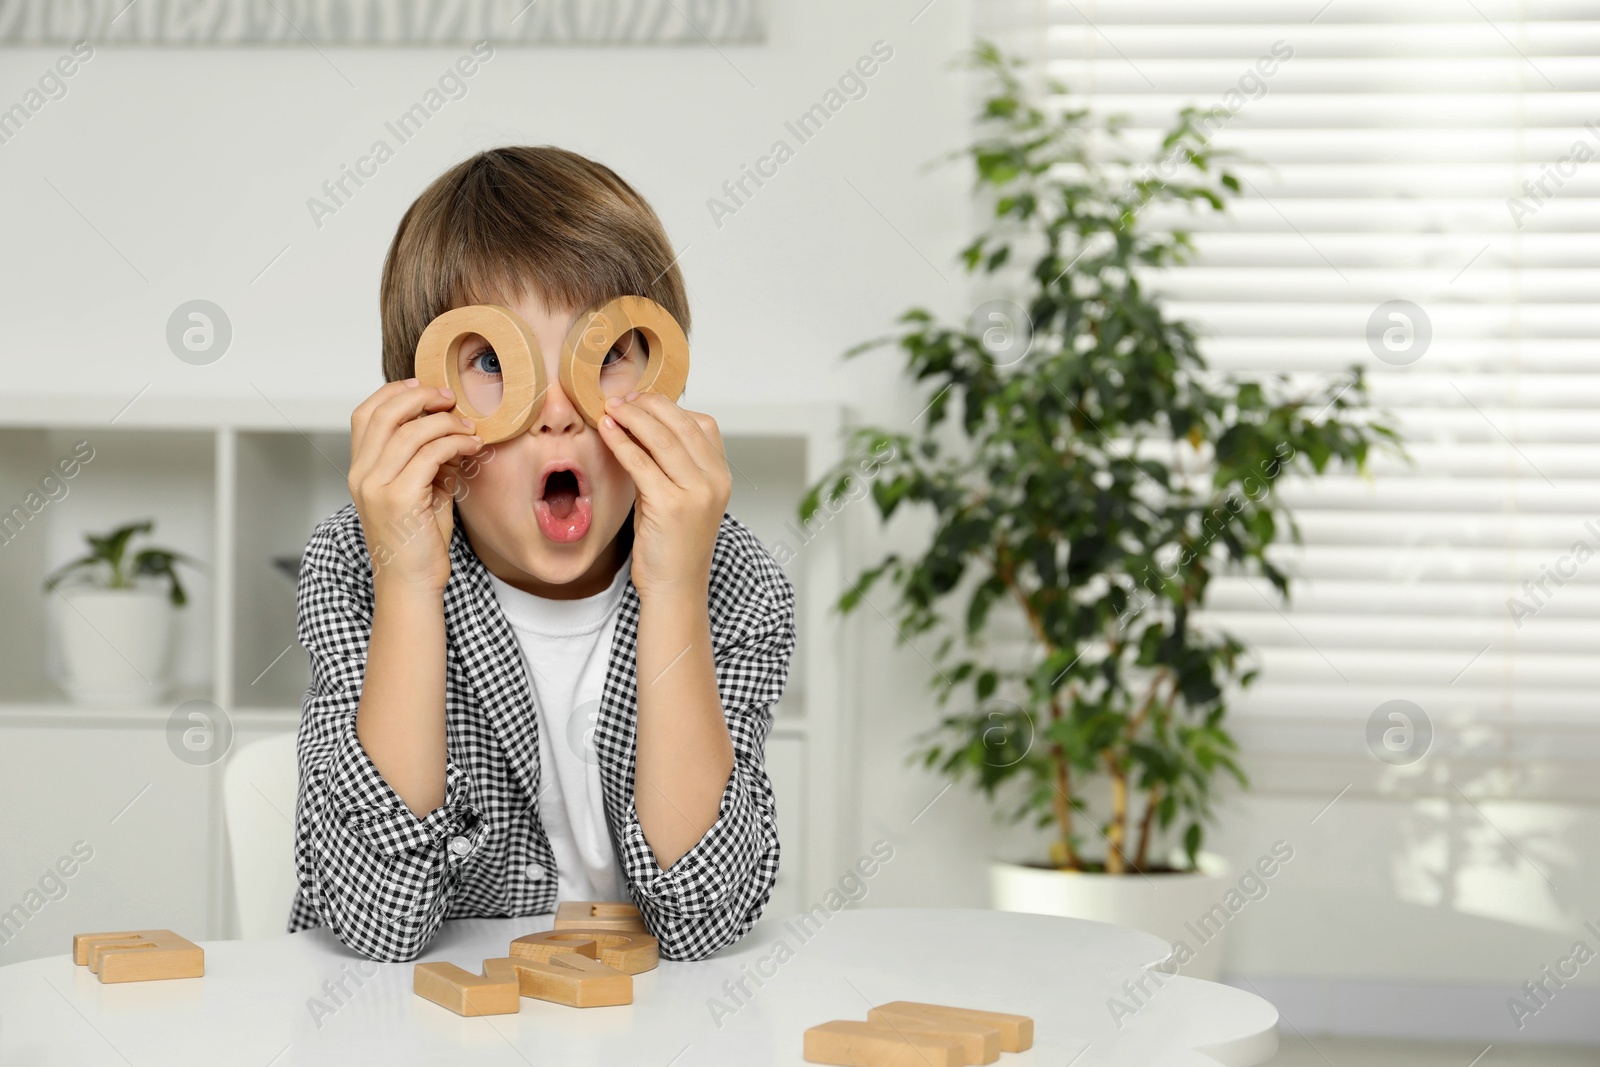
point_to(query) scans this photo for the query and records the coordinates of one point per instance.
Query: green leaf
(56, 577)
(1192, 838)
(108, 560)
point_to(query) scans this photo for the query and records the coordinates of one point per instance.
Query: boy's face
(547, 533)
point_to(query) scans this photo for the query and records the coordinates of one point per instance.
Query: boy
(542, 669)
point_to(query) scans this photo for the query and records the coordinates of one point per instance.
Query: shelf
(150, 410)
(286, 484)
(122, 475)
(789, 729)
(147, 716)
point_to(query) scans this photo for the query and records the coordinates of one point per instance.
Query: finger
(457, 473)
(410, 438)
(385, 421)
(420, 474)
(379, 423)
(666, 448)
(362, 415)
(708, 428)
(397, 411)
(714, 453)
(707, 455)
(443, 505)
(640, 465)
(450, 481)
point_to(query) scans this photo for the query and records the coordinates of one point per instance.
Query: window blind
(1444, 153)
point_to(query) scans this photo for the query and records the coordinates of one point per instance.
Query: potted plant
(116, 627)
(1101, 476)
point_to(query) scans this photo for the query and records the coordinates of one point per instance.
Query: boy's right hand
(401, 478)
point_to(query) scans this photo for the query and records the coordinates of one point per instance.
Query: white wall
(196, 166)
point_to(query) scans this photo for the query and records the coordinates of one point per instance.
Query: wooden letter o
(626, 951)
(591, 337)
(521, 366)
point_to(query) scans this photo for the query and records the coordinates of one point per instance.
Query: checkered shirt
(383, 879)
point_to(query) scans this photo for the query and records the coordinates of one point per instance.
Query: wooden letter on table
(573, 979)
(1016, 1031)
(631, 953)
(857, 1044)
(599, 915)
(138, 955)
(980, 1042)
(494, 992)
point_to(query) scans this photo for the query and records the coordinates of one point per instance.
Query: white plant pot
(116, 644)
(1175, 907)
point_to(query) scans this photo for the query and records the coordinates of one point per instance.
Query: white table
(256, 1004)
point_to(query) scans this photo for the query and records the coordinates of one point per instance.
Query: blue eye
(485, 362)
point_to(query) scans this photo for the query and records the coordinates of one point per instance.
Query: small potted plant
(116, 624)
(1101, 476)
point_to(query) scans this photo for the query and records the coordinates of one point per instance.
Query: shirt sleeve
(377, 875)
(713, 894)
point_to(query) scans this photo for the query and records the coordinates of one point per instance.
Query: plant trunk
(1063, 809)
(1062, 801)
(1116, 859)
(1144, 827)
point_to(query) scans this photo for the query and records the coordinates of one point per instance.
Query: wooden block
(573, 979)
(857, 1044)
(138, 955)
(494, 992)
(522, 374)
(1016, 1031)
(628, 952)
(550, 943)
(584, 351)
(599, 915)
(980, 1042)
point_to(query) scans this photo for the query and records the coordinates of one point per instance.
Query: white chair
(259, 787)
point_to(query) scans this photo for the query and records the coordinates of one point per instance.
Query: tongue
(561, 502)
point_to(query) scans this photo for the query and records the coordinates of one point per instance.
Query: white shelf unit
(237, 482)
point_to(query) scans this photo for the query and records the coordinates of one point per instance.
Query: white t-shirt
(566, 645)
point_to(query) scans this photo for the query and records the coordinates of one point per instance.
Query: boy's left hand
(680, 470)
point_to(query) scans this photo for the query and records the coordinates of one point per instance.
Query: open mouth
(564, 508)
(561, 493)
